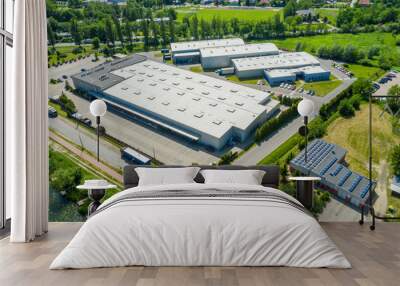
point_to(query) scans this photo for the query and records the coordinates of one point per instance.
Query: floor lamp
(98, 109)
(370, 206)
(305, 108)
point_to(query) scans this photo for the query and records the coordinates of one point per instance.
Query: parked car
(52, 112)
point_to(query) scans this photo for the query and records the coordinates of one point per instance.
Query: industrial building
(327, 161)
(281, 67)
(311, 73)
(221, 57)
(196, 107)
(189, 52)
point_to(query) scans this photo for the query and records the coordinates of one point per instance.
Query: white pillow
(166, 176)
(247, 177)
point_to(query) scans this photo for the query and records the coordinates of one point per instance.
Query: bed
(201, 224)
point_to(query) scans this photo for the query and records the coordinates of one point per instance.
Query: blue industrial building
(327, 161)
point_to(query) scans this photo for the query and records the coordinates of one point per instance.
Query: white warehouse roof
(289, 72)
(239, 50)
(197, 45)
(281, 61)
(201, 103)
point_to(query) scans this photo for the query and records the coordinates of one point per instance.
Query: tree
(395, 159)
(145, 30)
(119, 30)
(76, 35)
(394, 102)
(171, 28)
(109, 32)
(163, 32)
(96, 43)
(195, 27)
(51, 36)
(290, 9)
(128, 32)
(154, 30)
(346, 109)
(363, 87)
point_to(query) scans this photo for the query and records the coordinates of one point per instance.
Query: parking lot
(386, 82)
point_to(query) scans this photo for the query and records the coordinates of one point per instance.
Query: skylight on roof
(213, 104)
(196, 98)
(199, 115)
(221, 98)
(180, 93)
(217, 122)
(181, 109)
(231, 110)
(151, 97)
(239, 103)
(137, 92)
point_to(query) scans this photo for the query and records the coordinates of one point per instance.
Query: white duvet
(202, 232)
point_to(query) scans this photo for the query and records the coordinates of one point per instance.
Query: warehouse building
(196, 107)
(327, 161)
(189, 52)
(255, 66)
(221, 57)
(308, 74)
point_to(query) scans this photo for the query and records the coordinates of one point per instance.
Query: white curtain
(26, 124)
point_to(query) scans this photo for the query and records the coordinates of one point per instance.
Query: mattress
(201, 225)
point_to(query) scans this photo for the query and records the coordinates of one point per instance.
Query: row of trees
(112, 23)
(351, 54)
(370, 18)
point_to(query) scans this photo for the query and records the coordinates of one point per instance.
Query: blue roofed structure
(327, 161)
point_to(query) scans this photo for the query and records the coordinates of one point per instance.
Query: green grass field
(331, 14)
(322, 88)
(282, 151)
(234, 78)
(352, 134)
(68, 54)
(360, 71)
(197, 69)
(227, 14)
(363, 41)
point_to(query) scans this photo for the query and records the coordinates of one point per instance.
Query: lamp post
(305, 109)
(98, 108)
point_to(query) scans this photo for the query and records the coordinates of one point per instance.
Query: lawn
(234, 78)
(363, 41)
(360, 71)
(253, 15)
(331, 14)
(197, 69)
(322, 88)
(68, 54)
(282, 151)
(352, 134)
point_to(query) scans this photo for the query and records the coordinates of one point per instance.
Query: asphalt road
(108, 152)
(258, 152)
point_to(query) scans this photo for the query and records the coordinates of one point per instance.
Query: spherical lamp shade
(305, 107)
(98, 108)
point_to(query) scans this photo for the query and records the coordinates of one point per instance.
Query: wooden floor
(375, 257)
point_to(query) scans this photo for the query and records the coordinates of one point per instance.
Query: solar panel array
(325, 160)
